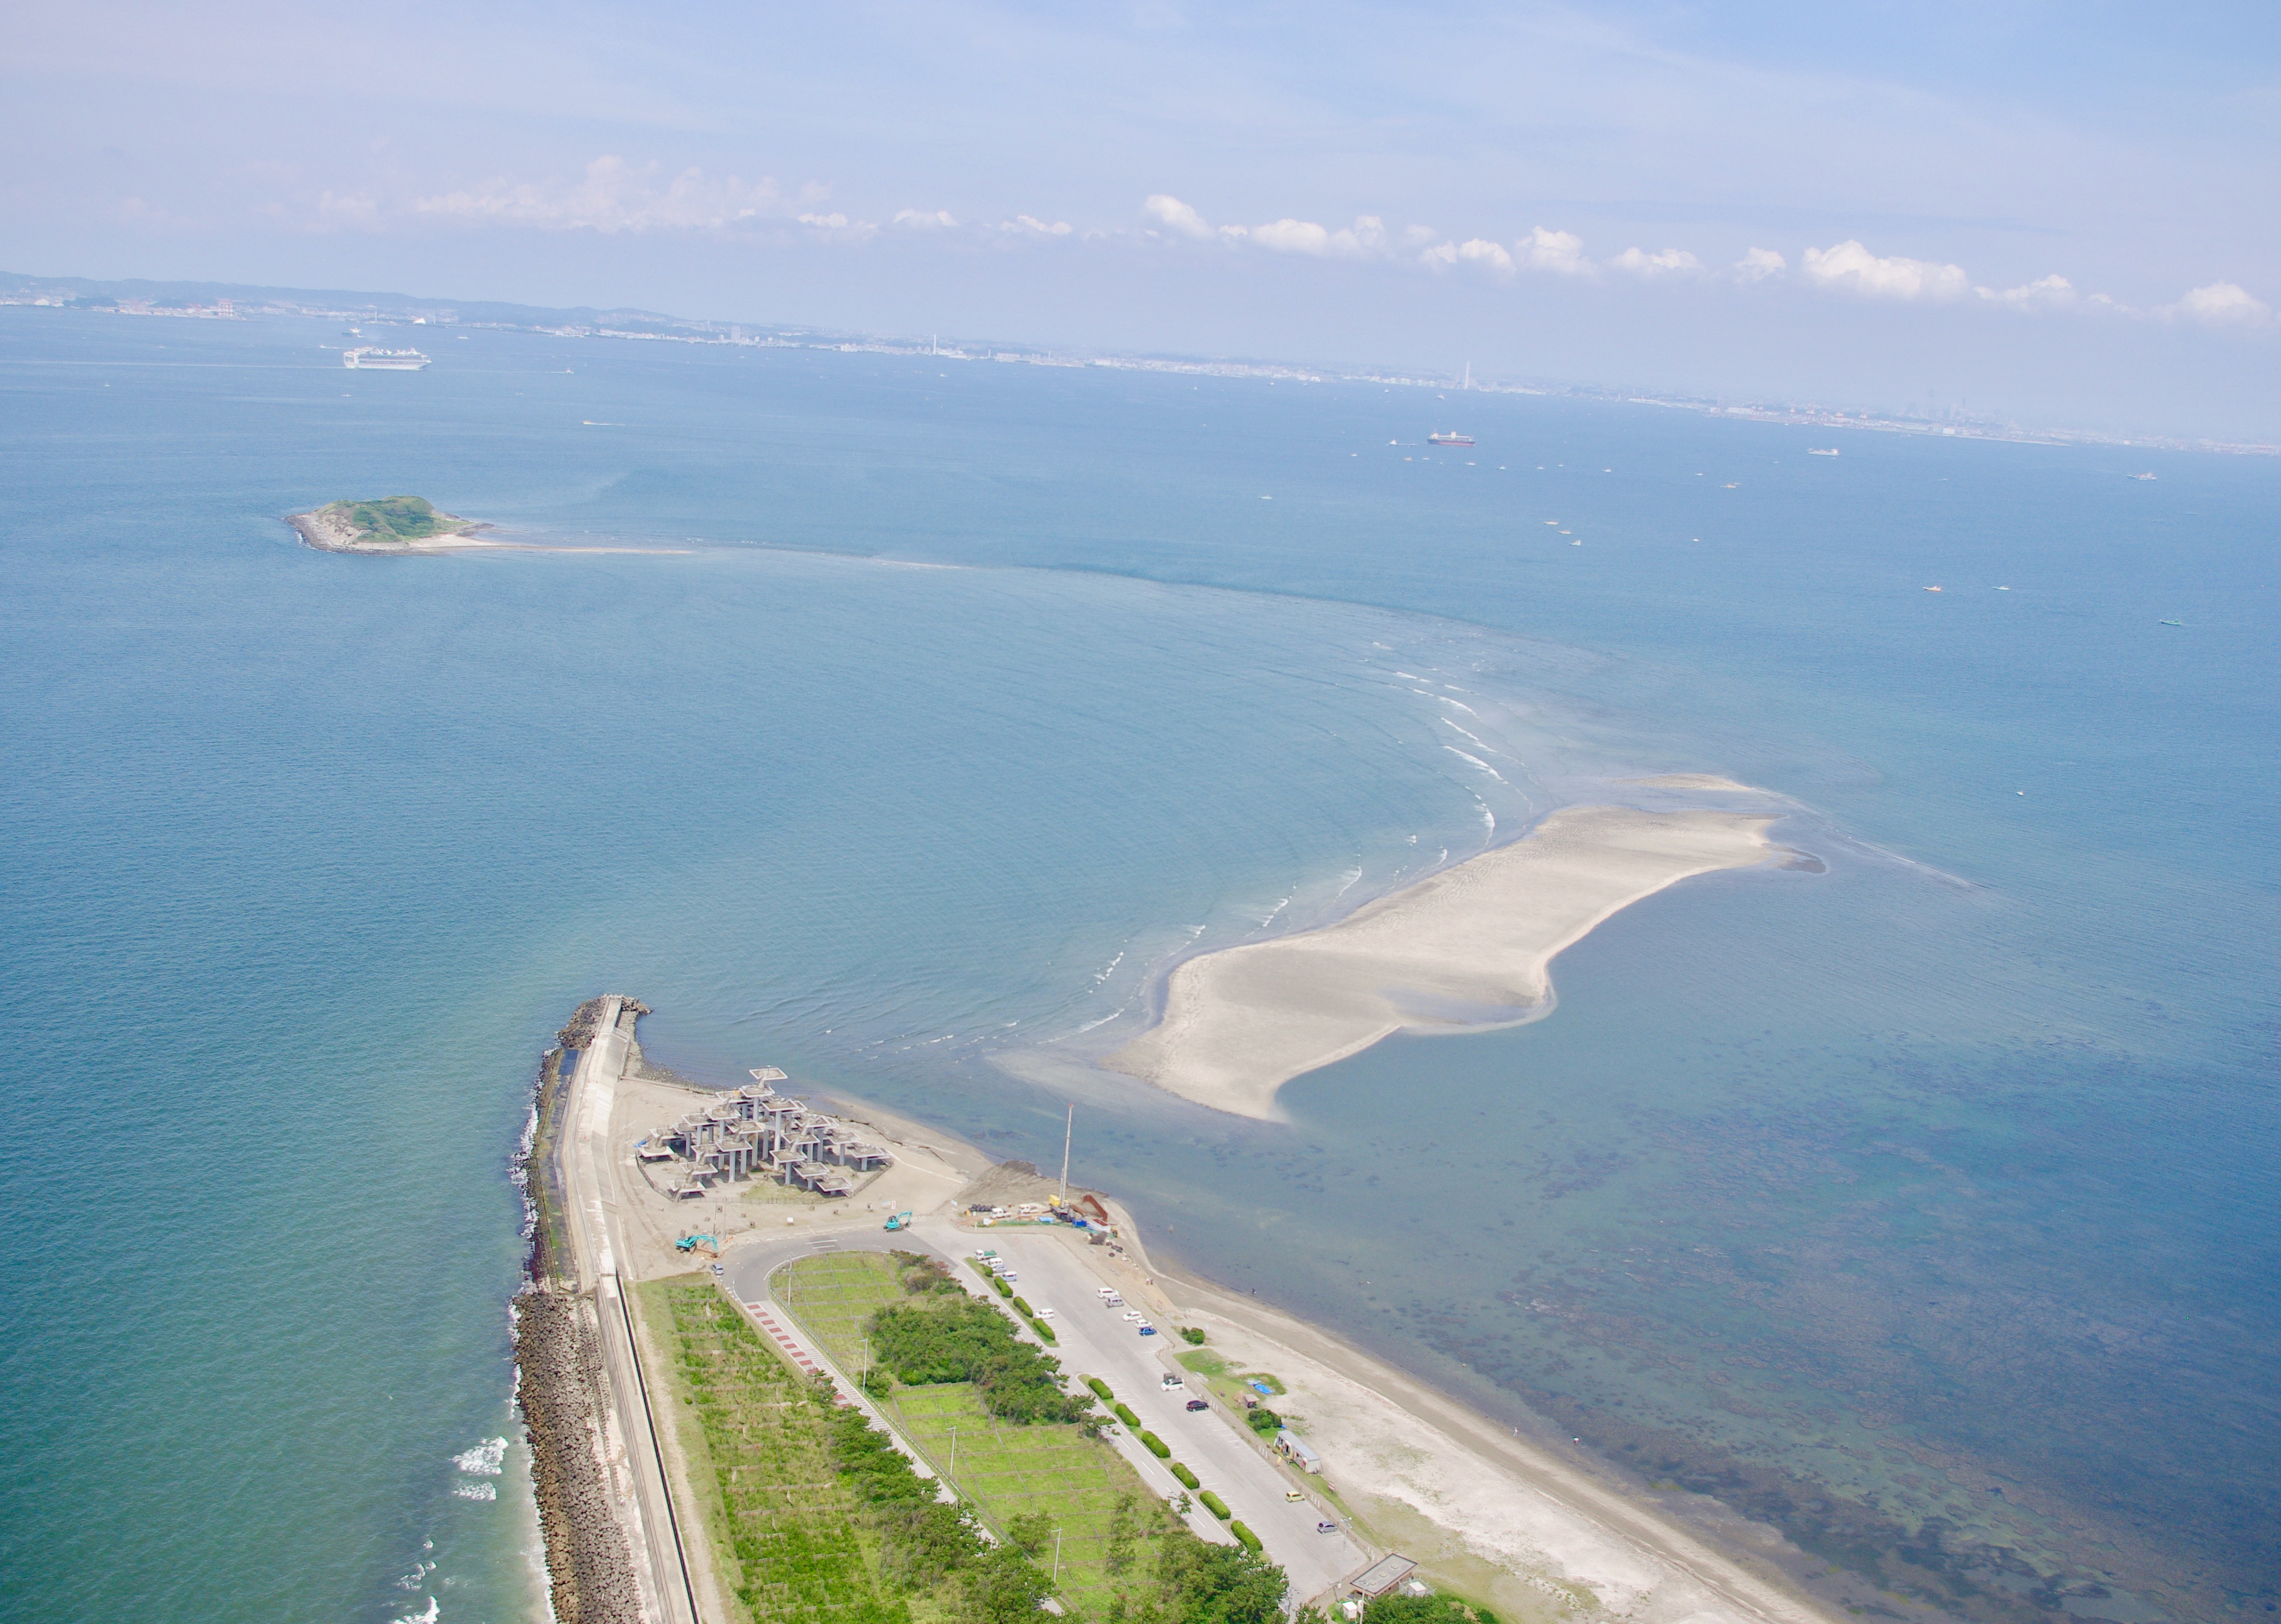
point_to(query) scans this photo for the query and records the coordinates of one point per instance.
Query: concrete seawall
(614, 1553)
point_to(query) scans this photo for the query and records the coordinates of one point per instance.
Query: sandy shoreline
(1465, 948)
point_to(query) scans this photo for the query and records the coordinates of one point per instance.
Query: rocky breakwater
(559, 1358)
(559, 1384)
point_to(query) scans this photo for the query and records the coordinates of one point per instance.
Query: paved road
(1095, 1341)
(590, 1172)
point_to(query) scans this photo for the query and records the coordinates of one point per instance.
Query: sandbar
(1465, 948)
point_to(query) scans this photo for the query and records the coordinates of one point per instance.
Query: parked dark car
(1198, 1403)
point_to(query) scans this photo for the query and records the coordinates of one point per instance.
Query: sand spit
(329, 532)
(1693, 780)
(1465, 948)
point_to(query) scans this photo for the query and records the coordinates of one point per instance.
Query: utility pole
(1068, 1129)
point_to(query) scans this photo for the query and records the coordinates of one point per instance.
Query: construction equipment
(691, 1242)
(900, 1221)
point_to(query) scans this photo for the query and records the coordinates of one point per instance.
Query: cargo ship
(1452, 438)
(384, 360)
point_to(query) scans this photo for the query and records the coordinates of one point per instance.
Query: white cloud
(838, 227)
(1031, 223)
(1491, 254)
(2045, 293)
(2221, 305)
(1670, 261)
(1176, 215)
(614, 196)
(1365, 236)
(1554, 251)
(1759, 263)
(924, 221)
(1851, 266)
(1293, 236)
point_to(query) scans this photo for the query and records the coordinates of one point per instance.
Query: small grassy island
(386, 524)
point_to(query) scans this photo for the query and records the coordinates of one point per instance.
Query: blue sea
(1922, 1207)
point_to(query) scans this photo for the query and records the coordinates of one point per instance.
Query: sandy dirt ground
(1464, 948)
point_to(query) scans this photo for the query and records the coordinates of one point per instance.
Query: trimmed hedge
(1028, 1312)
(1157, 1447)
(1187, 1478)
(1249, 1539)
(1213, 1504)
(1045, 1332)
(1003, 1288)
(1125, 1414)
(1101, 1390)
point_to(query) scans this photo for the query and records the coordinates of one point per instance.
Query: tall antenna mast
(1069, 1131)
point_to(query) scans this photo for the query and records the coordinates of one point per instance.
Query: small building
(1294, 1449)
(1381, 1577)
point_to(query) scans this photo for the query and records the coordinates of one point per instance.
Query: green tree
(1030, 1534)
(1206, 1583)
(1001, 1588)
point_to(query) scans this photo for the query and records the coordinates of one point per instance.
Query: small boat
(1452, 438)
(1932, 588)
(2142, 476)
(1812, 451)
(2173, 622)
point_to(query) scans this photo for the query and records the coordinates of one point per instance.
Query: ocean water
(1922, 1206)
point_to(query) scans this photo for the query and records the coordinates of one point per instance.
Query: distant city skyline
(2059, 213)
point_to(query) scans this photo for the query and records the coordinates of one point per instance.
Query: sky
(2062, 214)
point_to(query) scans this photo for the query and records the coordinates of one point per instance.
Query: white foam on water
(1477, 761)
(434, 1610)
(475, 1491)
(486, 1460)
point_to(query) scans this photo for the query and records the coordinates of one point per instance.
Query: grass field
(786, 1530)
(1003, 1471)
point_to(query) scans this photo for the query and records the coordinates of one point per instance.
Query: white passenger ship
(384, 360)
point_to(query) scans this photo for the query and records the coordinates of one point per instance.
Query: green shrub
(1185, 1476)
(1125, 1414)
(1003, 1288)
(1425, 1610)
(1263, 1421)
(1157, 1447)
(1045, 1332)
(1250, 1540)
(1213, 1504)
(1193, 1334)
(1028, 1312)
(961, 1340)
(1101, 1390)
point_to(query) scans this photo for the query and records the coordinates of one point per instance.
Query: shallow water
(1855, 1196)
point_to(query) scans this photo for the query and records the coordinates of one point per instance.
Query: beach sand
(1465, 948)
(1496, 1516)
